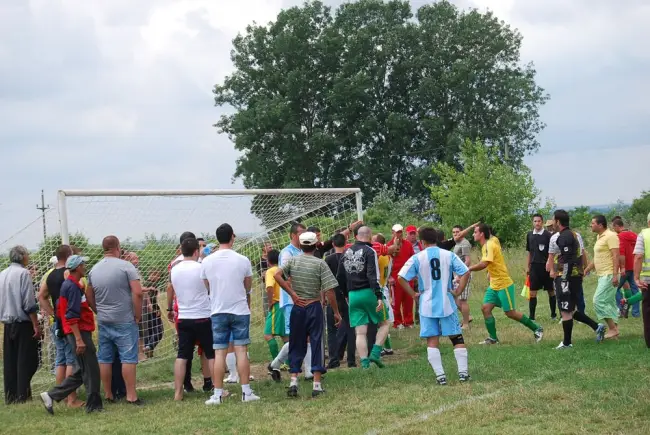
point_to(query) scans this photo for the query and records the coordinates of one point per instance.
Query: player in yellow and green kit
(385, 263)
(501, 292)
(275, 324)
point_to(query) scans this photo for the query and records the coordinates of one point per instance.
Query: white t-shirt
(226, 270)
(191, 295)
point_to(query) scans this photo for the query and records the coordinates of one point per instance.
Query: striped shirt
(309, 276)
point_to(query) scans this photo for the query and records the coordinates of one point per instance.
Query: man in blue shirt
(435, 268)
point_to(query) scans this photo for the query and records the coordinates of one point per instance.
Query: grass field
(517, 387)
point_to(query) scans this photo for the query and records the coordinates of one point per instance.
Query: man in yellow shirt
(607, 266)
(275, 324)
(501, 292)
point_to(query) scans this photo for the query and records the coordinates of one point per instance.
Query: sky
(117, 95)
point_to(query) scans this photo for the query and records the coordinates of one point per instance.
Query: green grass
(518, 387)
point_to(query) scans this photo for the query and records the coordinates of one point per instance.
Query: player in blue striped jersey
(435, 268)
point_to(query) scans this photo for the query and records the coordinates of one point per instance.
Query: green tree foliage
(505, 196)
(387, 208)
(368, 96)
(638, 211)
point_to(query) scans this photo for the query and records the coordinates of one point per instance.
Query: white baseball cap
(54, 260)
(397, 228)
(308, 238)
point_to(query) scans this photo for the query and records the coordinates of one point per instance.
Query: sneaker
(600, 332)
(539, 334)
(48, 403)
(562, 346)
(385, 352)
(464, 377)
(189, 388)
(316, 393)
(292, 391)
(275, 373)
(489, 340)
(214, 400)
(377, 361)
(249, 397)
(441, 380)
(231, 380)
(207, 387)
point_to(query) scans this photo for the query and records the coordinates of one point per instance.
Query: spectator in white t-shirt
(193, 302)
(228, 277)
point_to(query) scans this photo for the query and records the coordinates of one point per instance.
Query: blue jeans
(226, 326)
(628, 277)
(120, 337)
(64, 356)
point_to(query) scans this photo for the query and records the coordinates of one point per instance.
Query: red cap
(411, 229)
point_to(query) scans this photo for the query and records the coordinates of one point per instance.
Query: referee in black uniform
(537, 242)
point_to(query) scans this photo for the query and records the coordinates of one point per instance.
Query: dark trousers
(153, 332)
(645, 309)
(86, 373)
(118, 386)
(20, 359)
(306, 322)
(344, 338)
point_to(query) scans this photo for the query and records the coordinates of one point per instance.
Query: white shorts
(387, 303)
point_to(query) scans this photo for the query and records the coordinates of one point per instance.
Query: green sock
(273, 347)
(365, 363)
(388, 344)
(525, 320)
(376, 351)
(491, 325)
(637, 297)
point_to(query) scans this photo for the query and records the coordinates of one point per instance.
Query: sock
(491, 325)
(376, 351)
(388, 344)
(273, 347)
(552, 303)
(207, 381)
(317, 386)
(307, 360)
(246, 389)
(567, 325)
(218, 392)
(365, 363)
(525, 320)
(532, 306)
(637, 297)
(231, 363)
(294, 380)
(433, 354)
(583, 318)
(282, 356)
(461, 359)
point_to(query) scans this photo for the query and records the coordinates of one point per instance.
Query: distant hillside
(603, 208)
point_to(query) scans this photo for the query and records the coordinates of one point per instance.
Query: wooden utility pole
(43, 208)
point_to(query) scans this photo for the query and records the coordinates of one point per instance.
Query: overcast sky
(100, 94)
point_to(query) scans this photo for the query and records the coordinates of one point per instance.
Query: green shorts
(504, 299)
(363, 308)
(275, 321)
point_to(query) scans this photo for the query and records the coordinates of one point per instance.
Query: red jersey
(627, 240)
(73, 307)
(405, 252)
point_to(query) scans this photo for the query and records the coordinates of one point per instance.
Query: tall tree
(367, 96)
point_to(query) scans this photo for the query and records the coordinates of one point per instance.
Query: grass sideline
(518, 386)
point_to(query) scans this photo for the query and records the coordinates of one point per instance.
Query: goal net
(149, 223)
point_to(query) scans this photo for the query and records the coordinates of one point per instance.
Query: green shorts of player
(363, 308)
(504, 298)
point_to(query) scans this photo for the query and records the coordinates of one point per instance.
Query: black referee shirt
(537, 245)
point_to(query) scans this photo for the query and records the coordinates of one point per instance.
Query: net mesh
(149, 228)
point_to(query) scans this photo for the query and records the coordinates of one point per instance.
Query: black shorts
(192, 331)
(540, 278)
(567, 293)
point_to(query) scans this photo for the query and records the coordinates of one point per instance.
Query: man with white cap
(307, 278)
(402, 302)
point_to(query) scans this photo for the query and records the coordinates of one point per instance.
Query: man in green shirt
(306, 278)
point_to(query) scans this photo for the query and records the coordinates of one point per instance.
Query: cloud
(99, 94)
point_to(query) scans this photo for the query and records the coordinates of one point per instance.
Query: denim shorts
(226, 326)
(64, 355)
(120, 337)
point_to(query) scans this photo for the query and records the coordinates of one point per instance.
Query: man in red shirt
(78, 323)
(402, 302)
(627, 240)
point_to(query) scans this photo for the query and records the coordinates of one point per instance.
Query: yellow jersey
(492, 255)
(269, 281)
(384, 269)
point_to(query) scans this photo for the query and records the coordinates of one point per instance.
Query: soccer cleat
(385, 352)
(441, 380)
(539, 334)
(292, 391)
(377, 361)
(489, 340)
(48, 403)
(562, 346)
(214, 400)
(316, 393)
(464, 377)
(249, 397)
(600, 332)
(275, 374)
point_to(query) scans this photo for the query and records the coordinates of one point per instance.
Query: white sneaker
(561, 346)
(214, 400)
(231, 380)
(249, 397)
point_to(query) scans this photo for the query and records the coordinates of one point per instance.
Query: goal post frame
(63, 194)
